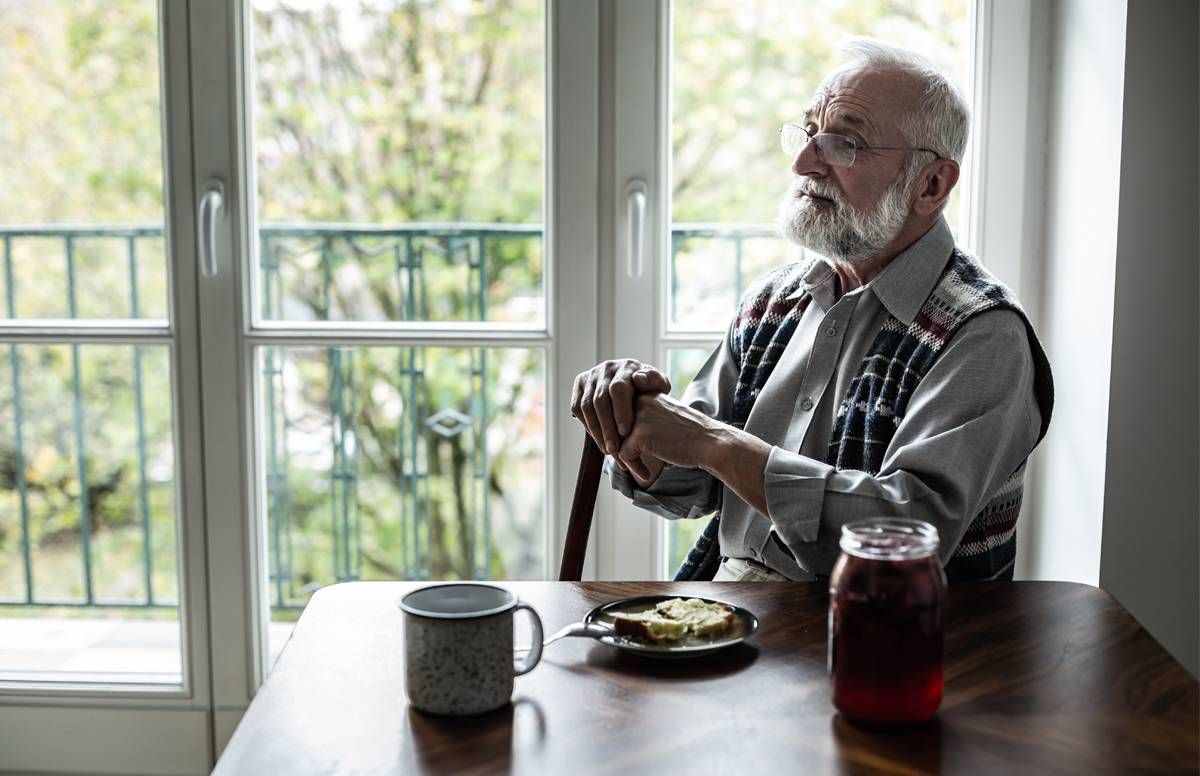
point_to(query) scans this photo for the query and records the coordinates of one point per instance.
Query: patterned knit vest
(877, 399)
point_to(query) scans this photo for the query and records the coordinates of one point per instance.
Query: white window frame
(1008, 193)
(162, 728)
(236, 539)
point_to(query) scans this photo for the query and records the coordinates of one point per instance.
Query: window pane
(88, 531)
(80, 125)
(712, 265)
(399, 160)
(682, 366)
(401, 463)
(739, 71)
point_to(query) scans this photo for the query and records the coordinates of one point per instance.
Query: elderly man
(895, 377)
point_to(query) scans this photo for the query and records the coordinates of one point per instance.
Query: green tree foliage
(80, 121)
(392, 114)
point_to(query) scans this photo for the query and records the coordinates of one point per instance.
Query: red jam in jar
(886, 597)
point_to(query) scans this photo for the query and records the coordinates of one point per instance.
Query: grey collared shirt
(970, 424)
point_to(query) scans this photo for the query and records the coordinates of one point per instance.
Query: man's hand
(603, 398)
(667, 430)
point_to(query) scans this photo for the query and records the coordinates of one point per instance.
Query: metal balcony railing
(410, 251)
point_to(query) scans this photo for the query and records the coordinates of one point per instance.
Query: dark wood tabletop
(1040, 678)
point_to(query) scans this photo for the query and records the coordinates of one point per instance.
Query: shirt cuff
(795, 491)
(678, 492)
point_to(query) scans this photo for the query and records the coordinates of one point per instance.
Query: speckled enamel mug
(458, 647)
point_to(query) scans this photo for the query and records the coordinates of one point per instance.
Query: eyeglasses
(837, 150)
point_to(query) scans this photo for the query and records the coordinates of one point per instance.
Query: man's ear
(938, 180)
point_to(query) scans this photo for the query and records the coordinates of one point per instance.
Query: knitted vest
(877, 399)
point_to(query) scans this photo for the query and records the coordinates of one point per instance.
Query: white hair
(943, 119)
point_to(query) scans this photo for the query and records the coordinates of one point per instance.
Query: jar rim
(889, 538)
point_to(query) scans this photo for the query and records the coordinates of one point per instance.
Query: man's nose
(808, 162)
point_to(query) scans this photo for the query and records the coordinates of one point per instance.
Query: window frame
(230, 334)
(167, 727)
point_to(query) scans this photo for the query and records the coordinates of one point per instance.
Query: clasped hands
(626, 408)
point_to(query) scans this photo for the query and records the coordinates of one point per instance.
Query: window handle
(211, 204)
(635, 196)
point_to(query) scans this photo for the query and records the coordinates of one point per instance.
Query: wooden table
(1041, 678)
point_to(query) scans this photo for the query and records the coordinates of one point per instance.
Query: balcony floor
(44, 649)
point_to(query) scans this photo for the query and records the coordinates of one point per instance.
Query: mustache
(816, 188)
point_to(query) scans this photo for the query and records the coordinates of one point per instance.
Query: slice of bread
(649, 625)
(674, 619)
(702, 619)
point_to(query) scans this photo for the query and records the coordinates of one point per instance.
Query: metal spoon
(593, 630)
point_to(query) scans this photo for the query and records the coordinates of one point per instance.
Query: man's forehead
(862, 96)
(854, 112)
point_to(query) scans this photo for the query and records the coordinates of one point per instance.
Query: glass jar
(886, 595)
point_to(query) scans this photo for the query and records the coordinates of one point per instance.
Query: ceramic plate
(744, 626)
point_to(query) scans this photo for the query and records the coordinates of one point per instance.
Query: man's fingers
(604, 398)
(576, 396)
(602, 404)
(630, 455)
(622, 392)
(639, 470)
(650, 379)
(587, 413)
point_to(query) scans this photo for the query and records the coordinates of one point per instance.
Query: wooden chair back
(587, 483)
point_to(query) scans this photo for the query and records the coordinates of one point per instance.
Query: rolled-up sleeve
(970, 424)
(682, 492)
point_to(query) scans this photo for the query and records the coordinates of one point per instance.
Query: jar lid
(889, 538)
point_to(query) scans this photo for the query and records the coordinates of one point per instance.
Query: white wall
(1151, 500)
(1115, 500)
(1082, 158)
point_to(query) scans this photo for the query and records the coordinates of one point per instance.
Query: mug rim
(410, 609)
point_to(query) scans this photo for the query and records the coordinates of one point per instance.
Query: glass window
(398, 150)
(682, 366)
(89, 567)
(401, 463)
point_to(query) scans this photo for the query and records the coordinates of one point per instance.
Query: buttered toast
(674, 619)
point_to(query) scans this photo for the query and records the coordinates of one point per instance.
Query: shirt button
(806, 405)
(831, 331)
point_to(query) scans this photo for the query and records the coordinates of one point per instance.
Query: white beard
(836, 230)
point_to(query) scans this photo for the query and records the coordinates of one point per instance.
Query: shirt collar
(907, 280)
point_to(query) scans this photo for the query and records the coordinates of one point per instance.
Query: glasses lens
(792, 139)
(836, 149)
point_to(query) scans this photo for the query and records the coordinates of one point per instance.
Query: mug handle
(535, 645)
